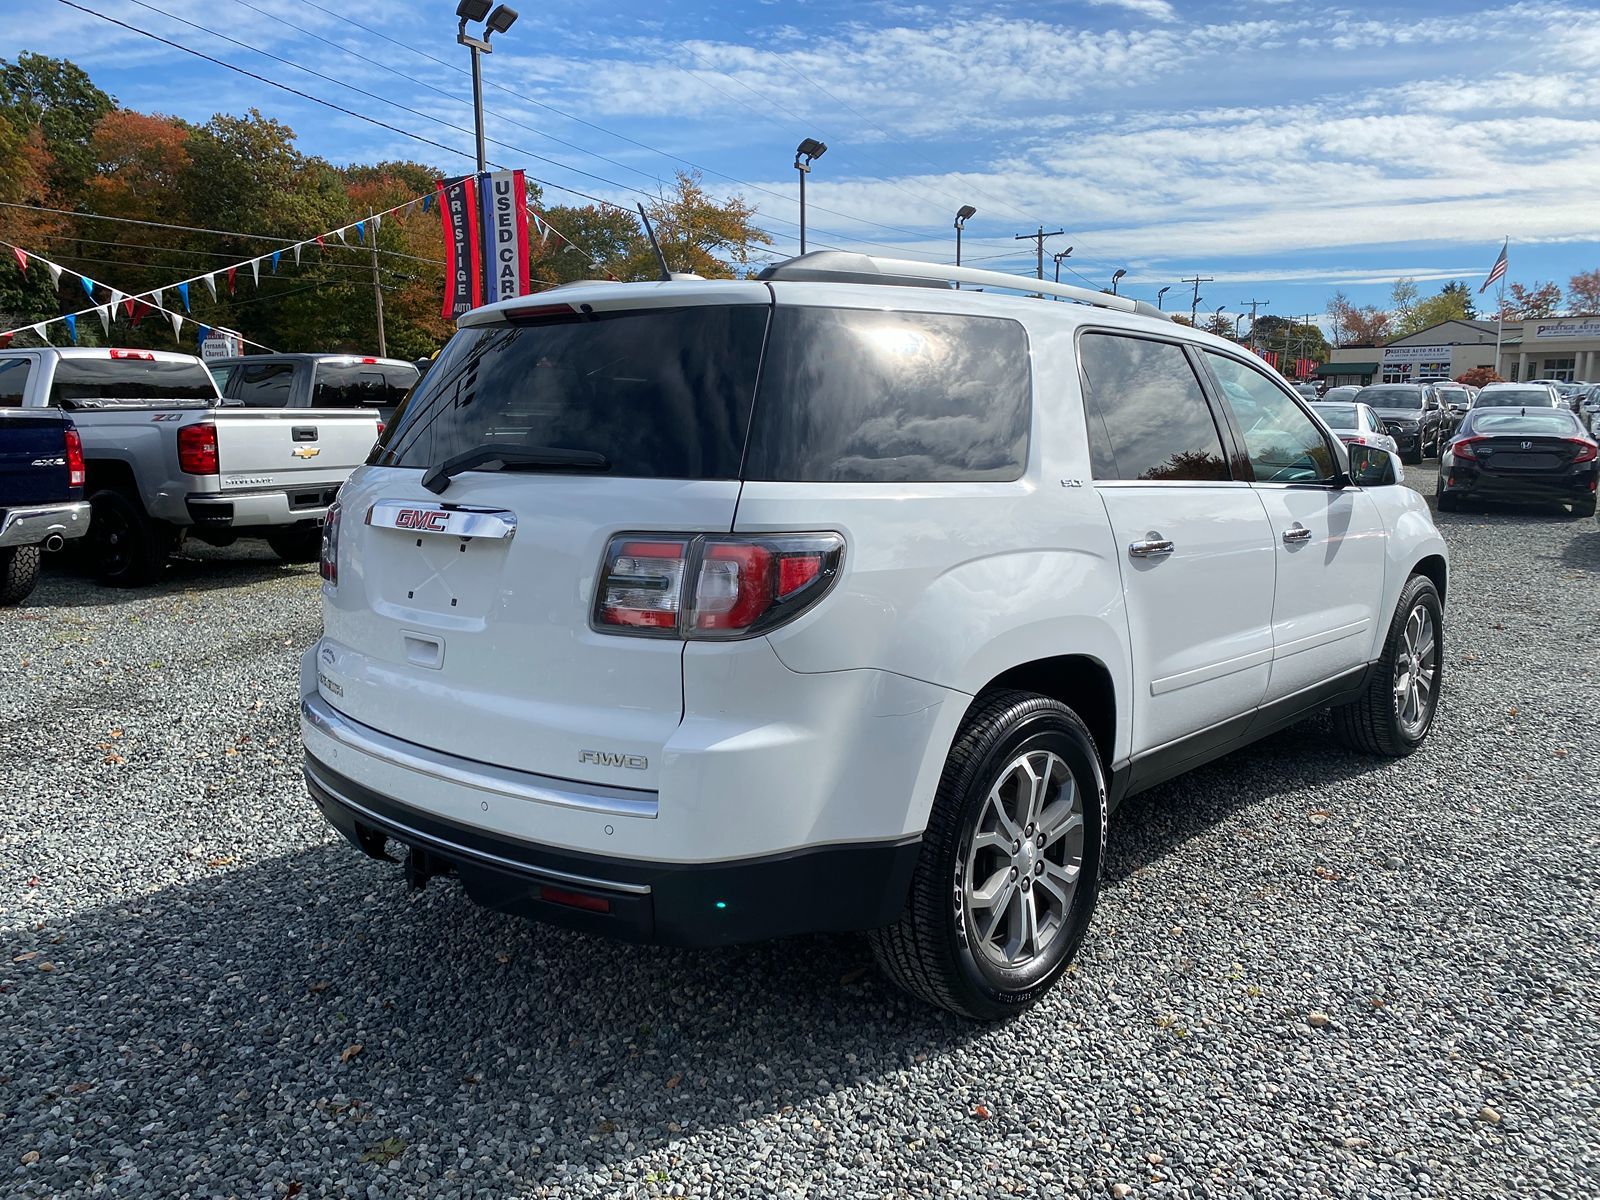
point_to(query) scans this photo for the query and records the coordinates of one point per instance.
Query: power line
(1194, 306)
(1038, 239)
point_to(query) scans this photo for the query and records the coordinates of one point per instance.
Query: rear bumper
(244, 510)
(31, 524)
(822, 890)
(1561, 487)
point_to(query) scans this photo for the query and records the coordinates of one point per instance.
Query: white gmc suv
(704, 611)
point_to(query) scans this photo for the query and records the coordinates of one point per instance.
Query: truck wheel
(297, 545)
(1010, 864)
(19, 571)
(128, 548)
(1393, 716)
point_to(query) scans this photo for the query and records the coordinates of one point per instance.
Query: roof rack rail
(839, 266)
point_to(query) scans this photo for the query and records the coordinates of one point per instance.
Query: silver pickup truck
(168, 458)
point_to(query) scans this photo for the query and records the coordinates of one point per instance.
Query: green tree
(1403, 298)
(57, 98)
(698, 234)
(588, 242)
(1453, 303)
(1460, 296)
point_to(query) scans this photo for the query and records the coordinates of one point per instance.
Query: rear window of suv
(361, 385)
(848, 395)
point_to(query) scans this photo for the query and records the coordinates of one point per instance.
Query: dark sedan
(1519, 454)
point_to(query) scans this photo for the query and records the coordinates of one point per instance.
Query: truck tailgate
(291, 448)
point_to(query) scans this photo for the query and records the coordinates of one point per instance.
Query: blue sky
(1286, 148)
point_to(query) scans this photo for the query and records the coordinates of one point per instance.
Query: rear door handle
(1296, 534)
(1150, 548)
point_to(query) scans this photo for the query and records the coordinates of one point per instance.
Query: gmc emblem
(430, 519)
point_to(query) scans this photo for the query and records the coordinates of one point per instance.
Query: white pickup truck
(168, 458)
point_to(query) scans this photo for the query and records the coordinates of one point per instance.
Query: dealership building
(1548, 348)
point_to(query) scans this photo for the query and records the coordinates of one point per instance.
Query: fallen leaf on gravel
(350, 1052)
(675, 1081)
(31, 1157)
(1317, 1020)
(1328, 873)
(472, 1079)
(982, 1112)
(855, 976)
(1561, 753)
(114, 760)
(1319, 816)
(1488, 1114)
(26, 955)
(33, 881)
(231, 752)
(47, 966)
(502, 958)
(221, 860)
(294, 1189)
(1512, 711)
(385, 1152)
(77, 1089)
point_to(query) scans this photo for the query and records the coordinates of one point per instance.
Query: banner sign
(1587, 327)
(463, 277)
(505, 234)
(1405, 354)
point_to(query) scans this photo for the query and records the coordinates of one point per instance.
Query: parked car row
(162, 454)
(1505, 451)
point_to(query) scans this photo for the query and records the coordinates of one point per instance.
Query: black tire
(935, 951)
(1442, 499)
(301, 544)
(19, 571)
(1374, 724)
(1583, 508)
(127, 548)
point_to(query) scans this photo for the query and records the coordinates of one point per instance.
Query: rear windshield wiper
(497, 456)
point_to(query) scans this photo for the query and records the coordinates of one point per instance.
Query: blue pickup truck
(41, 488)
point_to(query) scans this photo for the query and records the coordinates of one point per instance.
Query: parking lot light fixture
(1160, 294)
(805, 154)
(963, 214)
(1067, 253)
(1120, 272)
(496, 20)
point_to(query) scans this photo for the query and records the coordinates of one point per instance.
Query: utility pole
(1194, 305)
(377, 294)
(1039, 238)
(1254, 304)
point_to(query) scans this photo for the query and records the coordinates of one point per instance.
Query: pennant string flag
(22, 257)
(276, 254)
(255, 270)
(211, 285)
(72, 328)
(88, 285)
(183, 294)
(361, 231)
(55, 273)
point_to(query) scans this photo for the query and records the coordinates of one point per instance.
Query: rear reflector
(597, 904)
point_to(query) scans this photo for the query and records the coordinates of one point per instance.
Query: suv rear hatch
(465, 612)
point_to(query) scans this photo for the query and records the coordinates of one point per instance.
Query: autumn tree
(1479, 377)
(1531, 303)
(1218, 324)
(58, 99)
(698, 234)
(1353, 325)
(588, 242)
(1583, 292)
(138, 162)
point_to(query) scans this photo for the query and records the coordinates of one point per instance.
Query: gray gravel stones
(191, 959)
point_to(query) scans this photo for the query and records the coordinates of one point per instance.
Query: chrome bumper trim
(409, 835)
(28, 525)
(502, 781)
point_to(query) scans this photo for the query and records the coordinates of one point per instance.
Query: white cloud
(1160, 10)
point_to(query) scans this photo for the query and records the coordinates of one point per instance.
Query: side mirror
(1371, 466)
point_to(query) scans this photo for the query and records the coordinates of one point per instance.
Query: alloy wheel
(1022, 864)
(1416, 672)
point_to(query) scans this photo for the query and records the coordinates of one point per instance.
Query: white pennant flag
(211, 285)
(255, 270)
(116, 299)
(55, 273)
(38, 330)
(377, 223)
(297, 246)
(177, 324)
(339, 233)
(160, 297)
(105, 317)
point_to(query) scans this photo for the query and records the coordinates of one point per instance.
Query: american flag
(1498, 271)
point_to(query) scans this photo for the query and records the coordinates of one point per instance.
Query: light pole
(1120, 272)
(805, 154)
(1067, 253)
(498, 21)
(963, 214)
(1160, 294)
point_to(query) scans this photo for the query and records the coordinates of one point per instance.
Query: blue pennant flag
(72, 328)
(427, 201)
(183, 294)
(88, 285)
(361, 231)
(276, 254)
(201, 334)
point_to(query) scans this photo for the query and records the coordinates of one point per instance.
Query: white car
(698, 612)
(1355, 424)
(1518, 395)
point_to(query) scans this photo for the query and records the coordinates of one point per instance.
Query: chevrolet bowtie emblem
(305, 451)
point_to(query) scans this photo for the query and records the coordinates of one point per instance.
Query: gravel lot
(1311, 975)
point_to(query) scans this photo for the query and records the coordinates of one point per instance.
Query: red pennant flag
(5, 340)
(320, 245)
(138, 310)
(22, 256)
(128, 306)
(231, 272)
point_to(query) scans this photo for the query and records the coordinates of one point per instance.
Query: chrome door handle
(1150, 548)
(1296, 534)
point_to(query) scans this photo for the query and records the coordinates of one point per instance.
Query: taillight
(328, 562)
(197, 449)
(75, 473)
(1463, 449)
(141, 355)
(712, 586)
(1586, 450)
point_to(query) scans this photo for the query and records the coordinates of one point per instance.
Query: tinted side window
(891, 397)
(1283, 443)
(361, 385)
(13, 381)
(1147, 415)
(264, 385)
